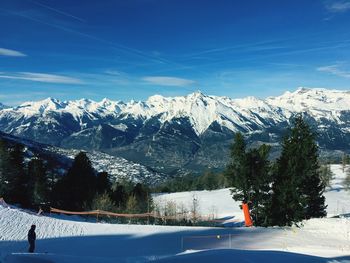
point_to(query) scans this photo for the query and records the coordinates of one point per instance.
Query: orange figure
(247, 218)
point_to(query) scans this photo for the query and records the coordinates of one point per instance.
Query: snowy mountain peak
(106, 101)
(302, 90)
(82, 104)
(190, 98)
(49, 104)
(2, 106)
(313, 91)
(306, 99)
(156, 99)
(112, 106)
(196, 94)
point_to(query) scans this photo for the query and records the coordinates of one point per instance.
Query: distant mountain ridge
(190, 132)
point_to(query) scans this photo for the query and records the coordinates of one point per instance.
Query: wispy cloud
(244, 47)
(335, 70)
(169, 81)
(114, 72)
(11, 53)
(41, 77)
(338, 6)
(57, 11)
(116, 46)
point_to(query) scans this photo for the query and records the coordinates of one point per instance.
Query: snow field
(64, 240)
(221, 204)
(72, 241)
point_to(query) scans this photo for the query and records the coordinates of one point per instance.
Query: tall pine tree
(298, 188)
(39, 184)
(76, 190)
(237, 169)
(14, 181)
(249, 176)
(4, 165)
(18, 181)
(260, 181)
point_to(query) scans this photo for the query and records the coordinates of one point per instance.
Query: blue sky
(132, 49)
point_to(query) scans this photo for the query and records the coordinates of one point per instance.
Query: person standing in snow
(31, 239)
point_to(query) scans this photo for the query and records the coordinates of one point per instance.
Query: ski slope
(221, 204)
(64, 240)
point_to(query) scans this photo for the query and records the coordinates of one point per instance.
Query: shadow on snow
(163, 247)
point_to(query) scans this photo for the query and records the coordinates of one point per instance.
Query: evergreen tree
(297, 189)
(120, 196)
(260, 181)
(313, 193)
(237, 170)
(143, 198)
(222, 181)
(250, 179)
(209, 180)
(38, 178)
(76, 190)
(4, 165)
(286, 207)
(17, 178)
(103, 184)
(14, 182)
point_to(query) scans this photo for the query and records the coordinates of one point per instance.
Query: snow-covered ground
(221, 204)
(63, 240)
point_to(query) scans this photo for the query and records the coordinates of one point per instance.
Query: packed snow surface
(66, 239)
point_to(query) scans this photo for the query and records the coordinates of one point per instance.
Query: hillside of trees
(29, 184)
(208, 181)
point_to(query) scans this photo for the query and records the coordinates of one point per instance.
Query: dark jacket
(31, 235)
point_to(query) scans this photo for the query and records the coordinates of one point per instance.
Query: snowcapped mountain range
(169, 134)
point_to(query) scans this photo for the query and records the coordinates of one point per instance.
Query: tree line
(30, 184)
(192, 182)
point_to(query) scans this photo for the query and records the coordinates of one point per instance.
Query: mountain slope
(189, 133)
(59, 159)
